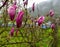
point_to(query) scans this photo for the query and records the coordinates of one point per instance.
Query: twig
(4, 4)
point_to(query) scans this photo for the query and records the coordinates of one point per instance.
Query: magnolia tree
(28, 30)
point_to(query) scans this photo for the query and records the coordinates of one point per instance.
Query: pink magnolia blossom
(40, 20)
(51, 13)
(11, 12)
(12, 31)
(19, 19)
(53, 26)
(33, 7)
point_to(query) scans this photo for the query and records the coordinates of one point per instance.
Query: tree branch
(4, 4)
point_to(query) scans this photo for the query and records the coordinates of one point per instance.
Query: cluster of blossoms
(12, 11)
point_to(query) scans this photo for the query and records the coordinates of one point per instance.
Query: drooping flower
(33, 7)
(40, 20)
(53, 26)
(19, 19)
(12, 31)
(51, 13)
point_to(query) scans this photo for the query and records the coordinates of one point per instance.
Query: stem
(26, 16)
(6, 13)
(13, 23)
(55, 38)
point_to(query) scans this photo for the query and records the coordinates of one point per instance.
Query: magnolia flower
(40, 20)
(33, 7)
(12, 31)
(53, 26)
(11, 12)
(19, 19)
(51, 13)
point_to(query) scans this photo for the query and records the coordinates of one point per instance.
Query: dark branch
(4, 4)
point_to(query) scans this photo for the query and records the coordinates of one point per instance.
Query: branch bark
(4, 4)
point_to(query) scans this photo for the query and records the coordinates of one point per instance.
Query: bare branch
(4, 4)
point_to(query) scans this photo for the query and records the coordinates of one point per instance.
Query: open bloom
(53, 26)
(33, 7)
(40, 20)
(19, 19)
(12, 31)
(51, 13)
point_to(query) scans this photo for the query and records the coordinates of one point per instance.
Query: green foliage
(45, 36)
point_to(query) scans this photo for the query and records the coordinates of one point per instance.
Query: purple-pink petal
(53, 26)
(40, 20)
(11, 12)
(19, 19)
(51, 13)
(12, 31)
